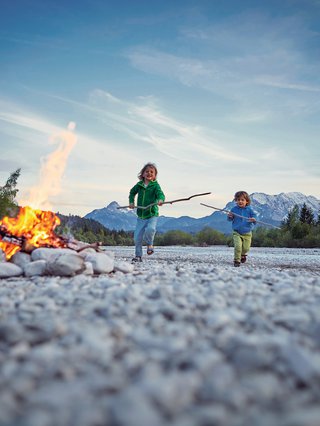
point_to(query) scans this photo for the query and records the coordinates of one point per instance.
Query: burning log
(93, 245)
(78, 246)
(6, 237)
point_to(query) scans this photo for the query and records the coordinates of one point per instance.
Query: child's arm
(160, 196)
(230, 215)
(132, 194)
(253, 216)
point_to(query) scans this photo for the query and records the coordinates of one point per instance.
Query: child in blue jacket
(243, 220)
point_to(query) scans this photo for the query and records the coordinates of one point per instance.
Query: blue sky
(221, 95)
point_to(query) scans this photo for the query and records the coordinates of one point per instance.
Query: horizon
(221, 96)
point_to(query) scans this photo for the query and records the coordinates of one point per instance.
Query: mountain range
(271, 209)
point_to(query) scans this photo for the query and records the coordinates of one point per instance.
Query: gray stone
(132, 408)
(8, 270)
(21, 259)
(88, 268)
(124, 267)
(101, 263)
(302, 363)
(65, 265)
(47, 253)
(37, 267)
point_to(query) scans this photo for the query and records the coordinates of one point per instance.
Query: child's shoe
(136, 259)
(243, 258)
(150, 250)
(236, 263)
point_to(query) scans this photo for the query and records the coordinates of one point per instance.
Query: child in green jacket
(149, 192)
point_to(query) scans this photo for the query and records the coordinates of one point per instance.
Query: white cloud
(247, 59)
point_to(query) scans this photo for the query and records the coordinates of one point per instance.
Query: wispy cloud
(251, 58)
(182, 141)
(281, 84)
(144, 122)
(24, 120)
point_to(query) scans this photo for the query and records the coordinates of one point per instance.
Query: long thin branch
(166, 202)
(238, 215)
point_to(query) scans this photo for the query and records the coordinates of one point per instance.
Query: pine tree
(8, 193)
(292, 218)
(306, 215)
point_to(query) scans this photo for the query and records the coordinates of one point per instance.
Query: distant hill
(90, 230)
(270, 209)
(113, 218)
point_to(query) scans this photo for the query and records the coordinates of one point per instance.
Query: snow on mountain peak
(113, 206)
(276, 207)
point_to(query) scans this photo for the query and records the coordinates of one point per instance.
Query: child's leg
(138, 235)
(237, 242)
(150, 230)
(246, 244)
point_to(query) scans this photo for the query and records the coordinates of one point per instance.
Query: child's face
(149, 174)
(241, 202)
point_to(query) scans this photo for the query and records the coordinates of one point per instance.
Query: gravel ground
(184, 340)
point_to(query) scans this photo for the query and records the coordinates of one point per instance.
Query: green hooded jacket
(147, 195)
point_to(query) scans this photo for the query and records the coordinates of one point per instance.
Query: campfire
(32, 232)
(30, 229)
(34, 226)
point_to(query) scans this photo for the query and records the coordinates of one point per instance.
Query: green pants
(242, 244)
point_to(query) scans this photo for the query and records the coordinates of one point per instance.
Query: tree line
(300, 228)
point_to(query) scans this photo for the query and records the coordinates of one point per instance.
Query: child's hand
(230, 215)
(160, 202)
(252, 219)
(131, 206)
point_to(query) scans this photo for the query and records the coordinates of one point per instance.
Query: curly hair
(243, 194)
(144, 168)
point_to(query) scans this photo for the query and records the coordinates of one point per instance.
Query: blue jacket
(242, 226)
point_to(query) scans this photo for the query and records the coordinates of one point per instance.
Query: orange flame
(36, 227)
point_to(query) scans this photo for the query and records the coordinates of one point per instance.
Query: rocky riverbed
(185, 339)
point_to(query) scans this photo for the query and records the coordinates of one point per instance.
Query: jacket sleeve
(230, 219)
(159, 193)
(133, 191)
(253, 214)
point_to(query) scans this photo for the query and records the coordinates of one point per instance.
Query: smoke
(52, 170)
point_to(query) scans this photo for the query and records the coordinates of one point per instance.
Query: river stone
(124, 267)
(101, 262)
(35, 268)
(46, 253)
(10, 270)
(21, 259)
(65, 265)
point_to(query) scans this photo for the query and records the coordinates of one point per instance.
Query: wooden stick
(6, 237)
(238, 215)
(166, 202)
